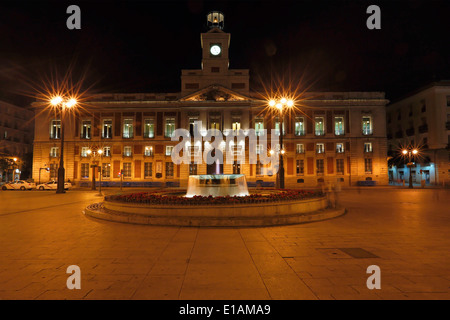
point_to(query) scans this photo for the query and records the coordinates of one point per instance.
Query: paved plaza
(404, 232)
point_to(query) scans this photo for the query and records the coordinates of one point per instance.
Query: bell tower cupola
(215, 44)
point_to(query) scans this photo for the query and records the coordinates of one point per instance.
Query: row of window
(193, 150)
(126, 170)
(300, 166)
(320, 148)
(169, 168)
(214, 123)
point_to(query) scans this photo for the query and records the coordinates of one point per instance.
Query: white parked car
(19, 185)
(53, 185)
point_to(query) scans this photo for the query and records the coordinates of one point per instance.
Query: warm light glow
(279, 106)
(89, 151)
(71, 102)
(283, 100)
(290, 103)
(100, 151)
(415, 151)
(404, 151)
(271, 152)
(15, 159)
(272, 103)
(56, 100)
(282, 151)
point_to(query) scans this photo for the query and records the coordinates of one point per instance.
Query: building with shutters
(421, 120)
(340, 135)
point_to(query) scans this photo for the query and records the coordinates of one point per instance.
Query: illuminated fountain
(217, 185)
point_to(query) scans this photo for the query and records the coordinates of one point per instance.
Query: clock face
(215, 50)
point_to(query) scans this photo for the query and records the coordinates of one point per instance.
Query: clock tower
(215, 62)
(215, 44)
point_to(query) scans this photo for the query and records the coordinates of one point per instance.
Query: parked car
(19, 185)
(53, 185)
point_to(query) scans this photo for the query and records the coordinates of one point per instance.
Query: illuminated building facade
(421, 120)
(340, 135)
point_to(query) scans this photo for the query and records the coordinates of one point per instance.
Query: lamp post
(281, 105)
(14, 163)
(410, 152)
(94, 155)
(62, 104)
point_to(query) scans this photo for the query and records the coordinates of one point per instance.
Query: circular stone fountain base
(223, 215)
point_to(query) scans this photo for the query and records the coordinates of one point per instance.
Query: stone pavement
(404, 232)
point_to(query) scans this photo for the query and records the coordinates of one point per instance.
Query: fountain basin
(232, 212)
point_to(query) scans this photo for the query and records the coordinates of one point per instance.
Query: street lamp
(62, 104)
(94, 155)
(410, 152)
(281, 105)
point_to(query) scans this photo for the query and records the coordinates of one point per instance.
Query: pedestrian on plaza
(329, 194)
(322, 187)
(337, 189)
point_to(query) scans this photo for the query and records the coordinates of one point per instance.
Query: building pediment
(215, 93)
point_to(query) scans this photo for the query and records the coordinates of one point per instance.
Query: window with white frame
(148, 169)
(367, 146)
(127, 169)
(84, 151)
(107, 151)
(339, 147)
(106, 170)
(300, 148)
(127, 151)
(127, 128)
(54, 152)
(193, 128)
(338, 125)
(169, 169)
(169, 150)
(320, 148)
(86, 129)
(84, 170)
(319, 126)
(149, 128)
(300, 167)
(107, 129)
(169, 127)
(299, 126)
(279, 124)
(214, 121)
(148, 151)
(192, 169)
(259, 126)
(367, 125)
(235, 123)
(320, 166)
(55, 129)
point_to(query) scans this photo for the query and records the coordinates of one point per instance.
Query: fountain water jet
(217, 185)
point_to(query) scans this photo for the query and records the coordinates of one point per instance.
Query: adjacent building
(421, 120)
(337, 136)
(16, 139)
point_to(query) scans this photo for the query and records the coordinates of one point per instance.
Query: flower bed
(156, 198)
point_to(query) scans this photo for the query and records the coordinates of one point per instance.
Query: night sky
(141, 46)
